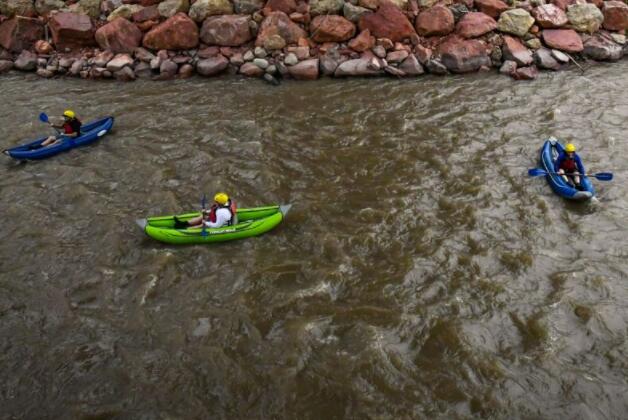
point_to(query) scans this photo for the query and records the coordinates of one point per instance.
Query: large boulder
(247, 7)
(615, 15)
(17, 7)
(602, 49)
(388, 22)
(549, 16)
(125, 11)
(201, 9)
(169, 8)
(177, 33)
(278, 23)
(20, 33)
(226, 30)
(212, 66)
(119, 36)
(326, 7)
(72, 31)
(332, 28)
(514, 50)
(305, 70)
(463, 55)
(44, 7)
(493, 8)
(475, 24)
(515, 21)
(438, 20)
(585, 17)
(357, 67)
(563, 39)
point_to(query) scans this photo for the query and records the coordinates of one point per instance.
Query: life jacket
(72, 126)
(231, 206)
(568, 165)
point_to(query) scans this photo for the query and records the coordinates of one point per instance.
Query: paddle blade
(604, 176)
(43, 117)
(536, 172)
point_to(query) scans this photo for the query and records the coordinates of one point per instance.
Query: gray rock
(354, 13)
(168, 67)
(5, 65)
(143, 70)
(272, 69)
(291, 59)
(411, 66)
(328, 64)
(394, 71)
(509, 67)
(600, 48)
(248, 56)
(247, 7)
(26, 61)
(356, 67)
(459, 10)
(543, 59)
(126, 74)
(560, 56)
(271, 79)
(66, 62)
(118, 62)
(77, 67)
(143, 54)
(436, 67)
(379, 51)
(45, 73)
(261, 63)
(260, 52)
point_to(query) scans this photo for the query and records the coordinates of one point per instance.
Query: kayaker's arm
(580, 165)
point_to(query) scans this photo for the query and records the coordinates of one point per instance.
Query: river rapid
(419, 275)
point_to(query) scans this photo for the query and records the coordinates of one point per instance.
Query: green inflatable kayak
(251, 222)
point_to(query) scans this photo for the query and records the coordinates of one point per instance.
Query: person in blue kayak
(569, 166)
(71, 128)
(221, 213)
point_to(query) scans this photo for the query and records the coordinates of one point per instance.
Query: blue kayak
(89, 133)
(549, 153)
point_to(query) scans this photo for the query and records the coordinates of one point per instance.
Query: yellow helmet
(570, 148)
(69, 113)
(221, 198)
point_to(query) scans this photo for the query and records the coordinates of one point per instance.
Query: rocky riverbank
(304, 40)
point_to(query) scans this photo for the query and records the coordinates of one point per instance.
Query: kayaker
(221, 213)
(71, 128)
(569, 166)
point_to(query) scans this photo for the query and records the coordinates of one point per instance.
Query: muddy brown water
(420, 274)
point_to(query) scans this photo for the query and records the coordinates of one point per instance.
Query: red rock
(396, 56)
(526, 73)
(563, 39)
(251, 70)
(299, 17)
(463, 55)
(493, 8)
(147, 26)
(286, 6)
(72, 30)
(423, 54)
(362, 42)
(615, 15)
(549, 16)
(331, 28)
(148, 3)
(474, 24)
(19, 33)
(147, 13)
(226, 30)
(43, 47)
(515, 51)
(305, 70)
(119, 36)
(208, 52)
(278, 23)
(177, 33)
(438, 20)
(388, 22)
(563, 4)
(598, 3)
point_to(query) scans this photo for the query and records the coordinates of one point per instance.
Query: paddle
(601, 176)
(203, 206)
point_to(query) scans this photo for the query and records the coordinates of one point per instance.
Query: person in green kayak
(71, 128)
(221, 213)
(569, 166)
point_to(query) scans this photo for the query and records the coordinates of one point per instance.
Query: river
(420, 273)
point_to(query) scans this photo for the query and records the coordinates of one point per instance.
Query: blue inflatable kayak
(89, 133)
(549, 153)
